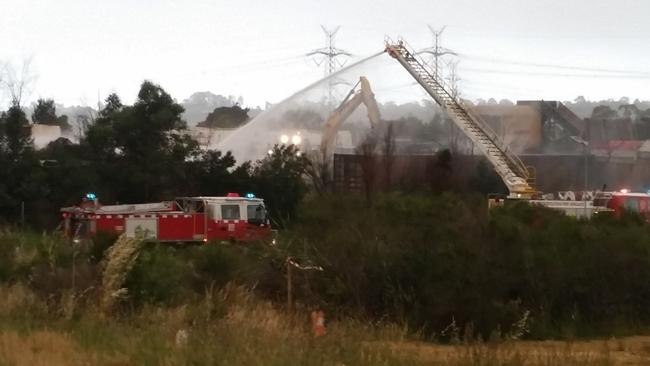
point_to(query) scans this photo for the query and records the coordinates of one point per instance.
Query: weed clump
(120, 259)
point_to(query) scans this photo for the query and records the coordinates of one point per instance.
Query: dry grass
(58, 348)
(47, 348)
(232, 327)
(18, 298)
(627, 351)
(120, 259)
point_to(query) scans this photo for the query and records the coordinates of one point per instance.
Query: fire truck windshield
(632, 204)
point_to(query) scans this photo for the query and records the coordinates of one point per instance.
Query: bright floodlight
(298, 153)
(625, 190)
(270, 152)
(296, 139)
(284, 139)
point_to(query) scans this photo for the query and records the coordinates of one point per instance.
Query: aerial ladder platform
(516, 176)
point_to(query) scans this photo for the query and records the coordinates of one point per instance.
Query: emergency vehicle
(185, 219)
(624, 200)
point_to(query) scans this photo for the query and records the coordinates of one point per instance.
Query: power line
(531, 33)
(536, 73)
(490, 85)
(553, 66)
(253, 66)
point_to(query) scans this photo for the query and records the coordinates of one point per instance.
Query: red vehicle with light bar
(624, 200)
(186, 219)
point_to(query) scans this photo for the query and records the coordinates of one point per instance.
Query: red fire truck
(624, 200)
(185, 219)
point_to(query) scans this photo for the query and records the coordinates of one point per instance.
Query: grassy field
(232, 327)
(524, 274)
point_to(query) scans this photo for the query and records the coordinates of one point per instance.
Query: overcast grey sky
(256, 49)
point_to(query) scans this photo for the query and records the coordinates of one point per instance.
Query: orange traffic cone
(318, 323)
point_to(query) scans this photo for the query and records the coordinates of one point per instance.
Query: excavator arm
(351, 102)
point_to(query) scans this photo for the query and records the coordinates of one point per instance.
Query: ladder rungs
(503, 160)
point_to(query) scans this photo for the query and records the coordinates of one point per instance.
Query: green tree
(69, 173)
(441, 172)
(45, 114)
(642, 125)
(103, 154)
(226, 117)
(21, 178)
(113, 105)
(279, 179)
(16, 131)
(603, 112)
(486, 181)
(146, 143)
(630, 111)
(211, 175)
(100, 137)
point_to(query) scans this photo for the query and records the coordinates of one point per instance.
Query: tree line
(131, 153)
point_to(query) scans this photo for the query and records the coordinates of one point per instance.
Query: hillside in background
(200, 104)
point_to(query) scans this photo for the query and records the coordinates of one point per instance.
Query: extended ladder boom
(511, 170)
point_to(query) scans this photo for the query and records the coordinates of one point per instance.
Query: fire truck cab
(625, 200)
(186, 219)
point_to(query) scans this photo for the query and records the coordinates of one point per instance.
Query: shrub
(100, 244)
(428, 260)
(7, 257)
(214, 265)
(157, 276)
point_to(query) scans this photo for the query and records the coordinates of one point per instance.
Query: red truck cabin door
(200, 219)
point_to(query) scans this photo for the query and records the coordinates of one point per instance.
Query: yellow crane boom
(360, 93)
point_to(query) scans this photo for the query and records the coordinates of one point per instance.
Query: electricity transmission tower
(437, 51)
(455, 134)
(329, 57)
(453, 79)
